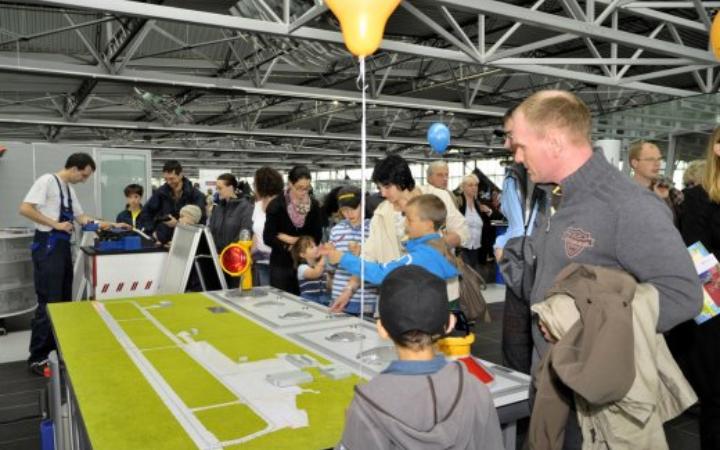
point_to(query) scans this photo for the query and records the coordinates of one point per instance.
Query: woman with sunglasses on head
(291, 214)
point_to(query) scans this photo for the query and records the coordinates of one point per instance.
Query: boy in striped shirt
(346, 236)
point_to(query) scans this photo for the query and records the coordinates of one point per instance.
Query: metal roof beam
(471, 51)
(663, 73)
(74, 26)
(291, 134)
(598, 61)
(14, 64)
(91, 48)
(670, 4)
(602, 80)
(579, 28)
(702, 13)
(646, 12)
(490, 7)
(277, 149)
(309, 15)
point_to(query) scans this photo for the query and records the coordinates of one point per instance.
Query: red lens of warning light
(234, 259)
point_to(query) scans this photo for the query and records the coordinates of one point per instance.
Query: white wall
(24, 162)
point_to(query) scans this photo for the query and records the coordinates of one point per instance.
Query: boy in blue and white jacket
(424, 216)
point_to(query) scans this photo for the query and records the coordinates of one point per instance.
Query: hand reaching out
(354, 248)
(340, 302)
(333, 255)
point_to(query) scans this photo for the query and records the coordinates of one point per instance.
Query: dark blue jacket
(142, 222)
(163, 203)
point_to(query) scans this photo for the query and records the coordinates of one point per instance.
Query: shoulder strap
(59, 185)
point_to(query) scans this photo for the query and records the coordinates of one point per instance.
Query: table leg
(56, 401)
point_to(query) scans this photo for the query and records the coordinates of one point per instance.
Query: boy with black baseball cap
(420, 401)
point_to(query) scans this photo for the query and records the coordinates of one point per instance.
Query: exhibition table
(216, 370)
(123, 273)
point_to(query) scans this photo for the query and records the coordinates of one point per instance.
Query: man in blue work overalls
(53, 206)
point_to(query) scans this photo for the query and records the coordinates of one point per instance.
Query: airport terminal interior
(359, 224)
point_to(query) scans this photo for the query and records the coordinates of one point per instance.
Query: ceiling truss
(276, 70)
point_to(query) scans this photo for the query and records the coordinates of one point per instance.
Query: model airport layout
(215, 370)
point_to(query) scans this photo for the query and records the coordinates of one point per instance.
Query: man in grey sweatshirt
(603, 218)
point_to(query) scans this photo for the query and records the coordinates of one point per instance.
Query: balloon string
(363, 160)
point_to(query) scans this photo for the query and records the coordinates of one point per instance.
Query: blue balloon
(438, 136)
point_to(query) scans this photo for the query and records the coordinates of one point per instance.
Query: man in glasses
(645, 160)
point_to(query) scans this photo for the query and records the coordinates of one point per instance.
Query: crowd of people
(570, 217)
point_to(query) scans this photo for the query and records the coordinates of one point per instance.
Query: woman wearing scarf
(290, 215)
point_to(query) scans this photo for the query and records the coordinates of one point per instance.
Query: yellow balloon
(362, 22)
(715, 35)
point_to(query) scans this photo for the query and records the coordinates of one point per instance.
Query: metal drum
(17, 293)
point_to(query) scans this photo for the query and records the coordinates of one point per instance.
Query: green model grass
(144, 334)
(119, 408)
(231, 421)
(195, 386)
(324, 400)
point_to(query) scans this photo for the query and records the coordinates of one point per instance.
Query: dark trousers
(517, 342)
(704, 371)
(53, 275)
(261, 274)
(284, 278)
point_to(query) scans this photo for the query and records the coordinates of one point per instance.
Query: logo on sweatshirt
(577, 240)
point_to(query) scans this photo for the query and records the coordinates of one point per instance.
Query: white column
(611, 150)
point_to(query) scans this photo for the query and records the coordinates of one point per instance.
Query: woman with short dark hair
(229, 217)
(290, 215)
(387, 227)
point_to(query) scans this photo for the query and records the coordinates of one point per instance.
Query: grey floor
(21, 393)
